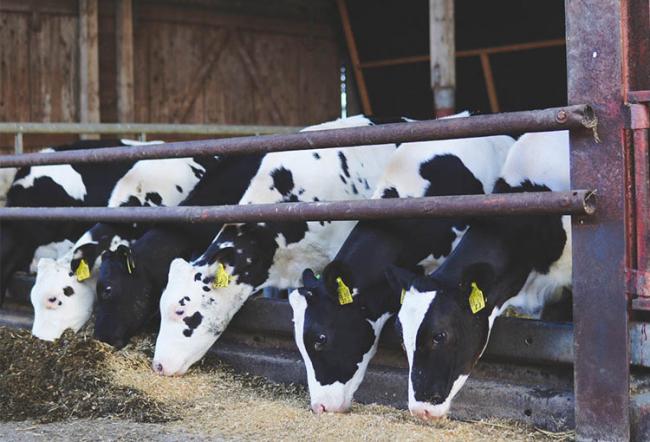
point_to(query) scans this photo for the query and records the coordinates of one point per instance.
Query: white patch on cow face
(59, 300)
(192, 319)
(411, 314)
(64, 175)
(336, 397)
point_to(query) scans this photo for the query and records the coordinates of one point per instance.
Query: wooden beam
(88, 62)
(489, 83)
(124, 65)
(467, 53)
(354, 57)
(443, 62)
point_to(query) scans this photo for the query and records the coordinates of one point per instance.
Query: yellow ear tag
(129, 267)
(222, 278)
(345, 297)
(476, 299)
(82, 272)
(401, 298)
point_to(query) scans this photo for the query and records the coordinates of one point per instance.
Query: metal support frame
(595, 61)
(578, 116)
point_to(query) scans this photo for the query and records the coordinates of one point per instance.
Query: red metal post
(595, 60)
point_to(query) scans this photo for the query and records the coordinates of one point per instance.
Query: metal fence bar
(577, 202)
(568, 117)
(137, 128)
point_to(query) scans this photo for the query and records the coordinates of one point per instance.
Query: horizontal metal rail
(481, 125)
(577, 202)
(138, 128)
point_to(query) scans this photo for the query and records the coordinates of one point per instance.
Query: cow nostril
(52, 299)
(319, 409)
(157, 367)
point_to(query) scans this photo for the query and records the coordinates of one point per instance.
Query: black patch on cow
(192, 323)
(301, 191)
(344, 164)
(282, 181)
(343, 179)
(154, 197)
(132, 202)
(366, 184)
(316, 155)
(206, 288)
(60, 303)
(197, 276)
(68, 291)
(207, 279)
(390, 192)
(183, 300)
(197, 172)
(354, 189)
(179, 188)
(316, 199)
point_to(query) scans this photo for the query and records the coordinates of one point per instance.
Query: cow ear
(398, 278)
(309, 279)
(224, 255)
(332, 272)
(481, 275)
(87, 253)
(129, 259)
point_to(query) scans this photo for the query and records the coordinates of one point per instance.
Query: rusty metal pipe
(560, 118)
(576, 202)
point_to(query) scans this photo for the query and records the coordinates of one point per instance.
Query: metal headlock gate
(605, 38)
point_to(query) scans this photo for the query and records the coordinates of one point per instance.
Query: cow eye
(106, 293)
(320, 342)
(440, 338)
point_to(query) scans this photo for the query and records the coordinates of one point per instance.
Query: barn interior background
(280, 63)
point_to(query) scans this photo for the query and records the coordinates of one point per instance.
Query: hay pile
(79, 377)
(51, 381)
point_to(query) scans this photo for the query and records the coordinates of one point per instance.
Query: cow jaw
(60, 301)
(337, 396)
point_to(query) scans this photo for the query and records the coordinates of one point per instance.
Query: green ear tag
(345, 296)
(222, 278)
(82, 272)
(401, 298)
(476, 299)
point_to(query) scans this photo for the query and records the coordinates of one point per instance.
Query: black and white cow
(131, 279)
(54, 186)
(64, 292)
(446, 318)
(338, 339)
(201, 297)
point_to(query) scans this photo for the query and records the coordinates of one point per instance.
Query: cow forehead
(411, 315)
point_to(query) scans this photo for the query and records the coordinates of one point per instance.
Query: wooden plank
(354, 57)
(202, 16)
(198, 82)
(319, 82)
(14, 67)
(489, 83)
(443, 63)
(260, 82)
(88, 62)
(124, 62)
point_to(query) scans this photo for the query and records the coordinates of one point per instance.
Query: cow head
(125, 302)
(444, 330)
(195, 308)
(336, 330)
(62, 297)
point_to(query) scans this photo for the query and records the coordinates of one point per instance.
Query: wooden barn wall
(192, 63)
